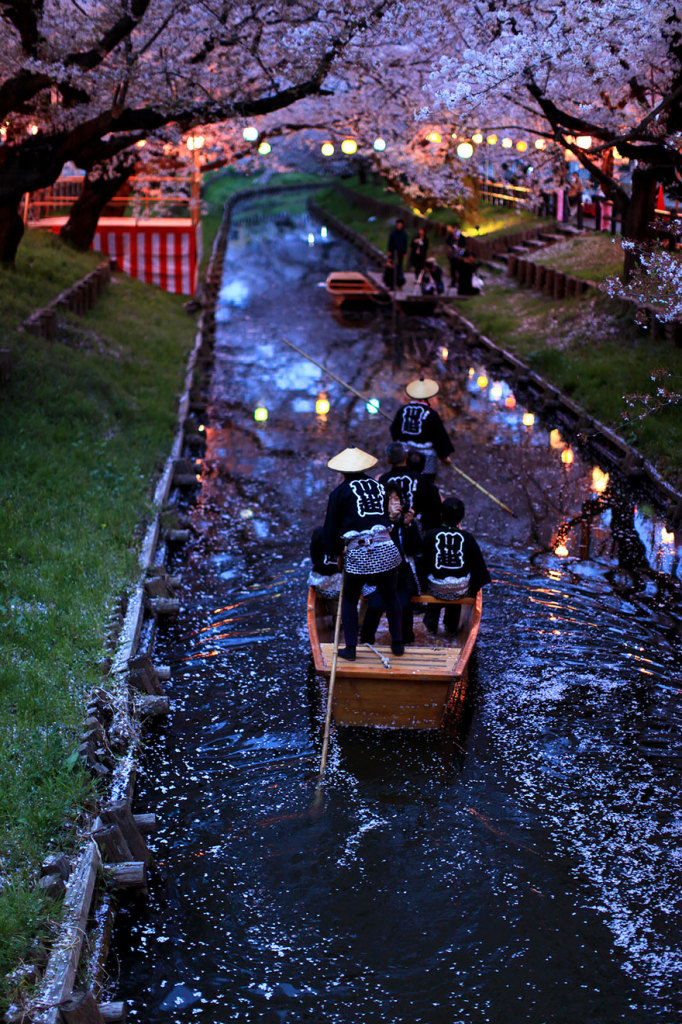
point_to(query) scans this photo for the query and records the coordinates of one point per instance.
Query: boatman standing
(356, 528)
(420, 427)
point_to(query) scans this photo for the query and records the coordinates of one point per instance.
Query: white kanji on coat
(449, 551)
(413, 420)
(369, 497)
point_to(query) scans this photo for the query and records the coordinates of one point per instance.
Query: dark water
(532, 873)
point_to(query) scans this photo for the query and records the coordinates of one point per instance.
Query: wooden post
(81, 1008)
(119, 813)
(112, 1013)
(112, 844)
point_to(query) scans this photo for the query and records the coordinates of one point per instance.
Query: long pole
(332, 680)
(364, 398)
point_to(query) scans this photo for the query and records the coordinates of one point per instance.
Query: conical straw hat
(352, 460)
(422, 388)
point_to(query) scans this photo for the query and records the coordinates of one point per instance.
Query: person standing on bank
(356, 529)
(420, 427)
(419, 248)
(451, 566)
(397, 249)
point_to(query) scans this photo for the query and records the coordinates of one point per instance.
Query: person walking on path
(420, 427)
(356, 530)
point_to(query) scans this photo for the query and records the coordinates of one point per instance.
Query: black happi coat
(452, 551)
(323, 563)
(417, 492)
(418, 424)
(356, 504)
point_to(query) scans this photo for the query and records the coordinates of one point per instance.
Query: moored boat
(344, 285)
(422, 689)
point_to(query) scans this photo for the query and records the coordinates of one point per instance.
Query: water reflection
(530, 874)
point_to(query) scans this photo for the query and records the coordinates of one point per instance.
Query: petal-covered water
(528, 872)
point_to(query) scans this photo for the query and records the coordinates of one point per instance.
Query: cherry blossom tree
(96, 79)
(591, 77)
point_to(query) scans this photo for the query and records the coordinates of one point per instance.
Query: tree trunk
(638, 215)
(11, 231)
(99, 187)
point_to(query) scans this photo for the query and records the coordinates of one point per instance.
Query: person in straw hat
(356, 527)
(420, 427)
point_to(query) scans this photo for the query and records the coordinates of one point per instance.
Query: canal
(531, 873)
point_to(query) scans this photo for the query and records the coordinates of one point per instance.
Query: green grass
(594, 353)
(591, 257)
(86, 424)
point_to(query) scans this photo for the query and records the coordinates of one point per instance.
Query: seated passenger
(451, 566)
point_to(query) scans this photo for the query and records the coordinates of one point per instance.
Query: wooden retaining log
(153, 707)
(128, 876)
(550, 274)
(146, 823)
(112, 1013)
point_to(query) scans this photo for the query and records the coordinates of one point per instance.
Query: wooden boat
(345, 285)
(423, 689)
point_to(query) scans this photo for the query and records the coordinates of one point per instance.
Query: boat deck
(416, 661)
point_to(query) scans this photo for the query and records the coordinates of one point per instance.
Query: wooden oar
(332, 680)
(349, 387)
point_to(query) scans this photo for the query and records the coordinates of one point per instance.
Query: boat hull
(422, 690)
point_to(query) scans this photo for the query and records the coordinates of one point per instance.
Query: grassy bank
(595, 353)
(86, 424)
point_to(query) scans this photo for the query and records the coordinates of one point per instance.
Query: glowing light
(496, 392)
(584, 141)
(349, 146)
(33, 130)
(472, 372)
(507, 143)
(434, 137)
(327, 149)
(264, 148)
(373, 406)
(246, 513)
(482, 381)
(201, 428)
(540, 144)
(561, 551)
(380, 145)
(555, 439)
(666, 536)
(322, 405)
(417, 211)
(521, 146)
(195, 142)
(510, 402)
(250, 133)
(323, 232)
(528, 419)
(444, 353)
(477, 138)
(465, 150)
(141, 143)
(600, 480)
(492, 140)
(311, 238)
(567, 457)
(260, 414)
